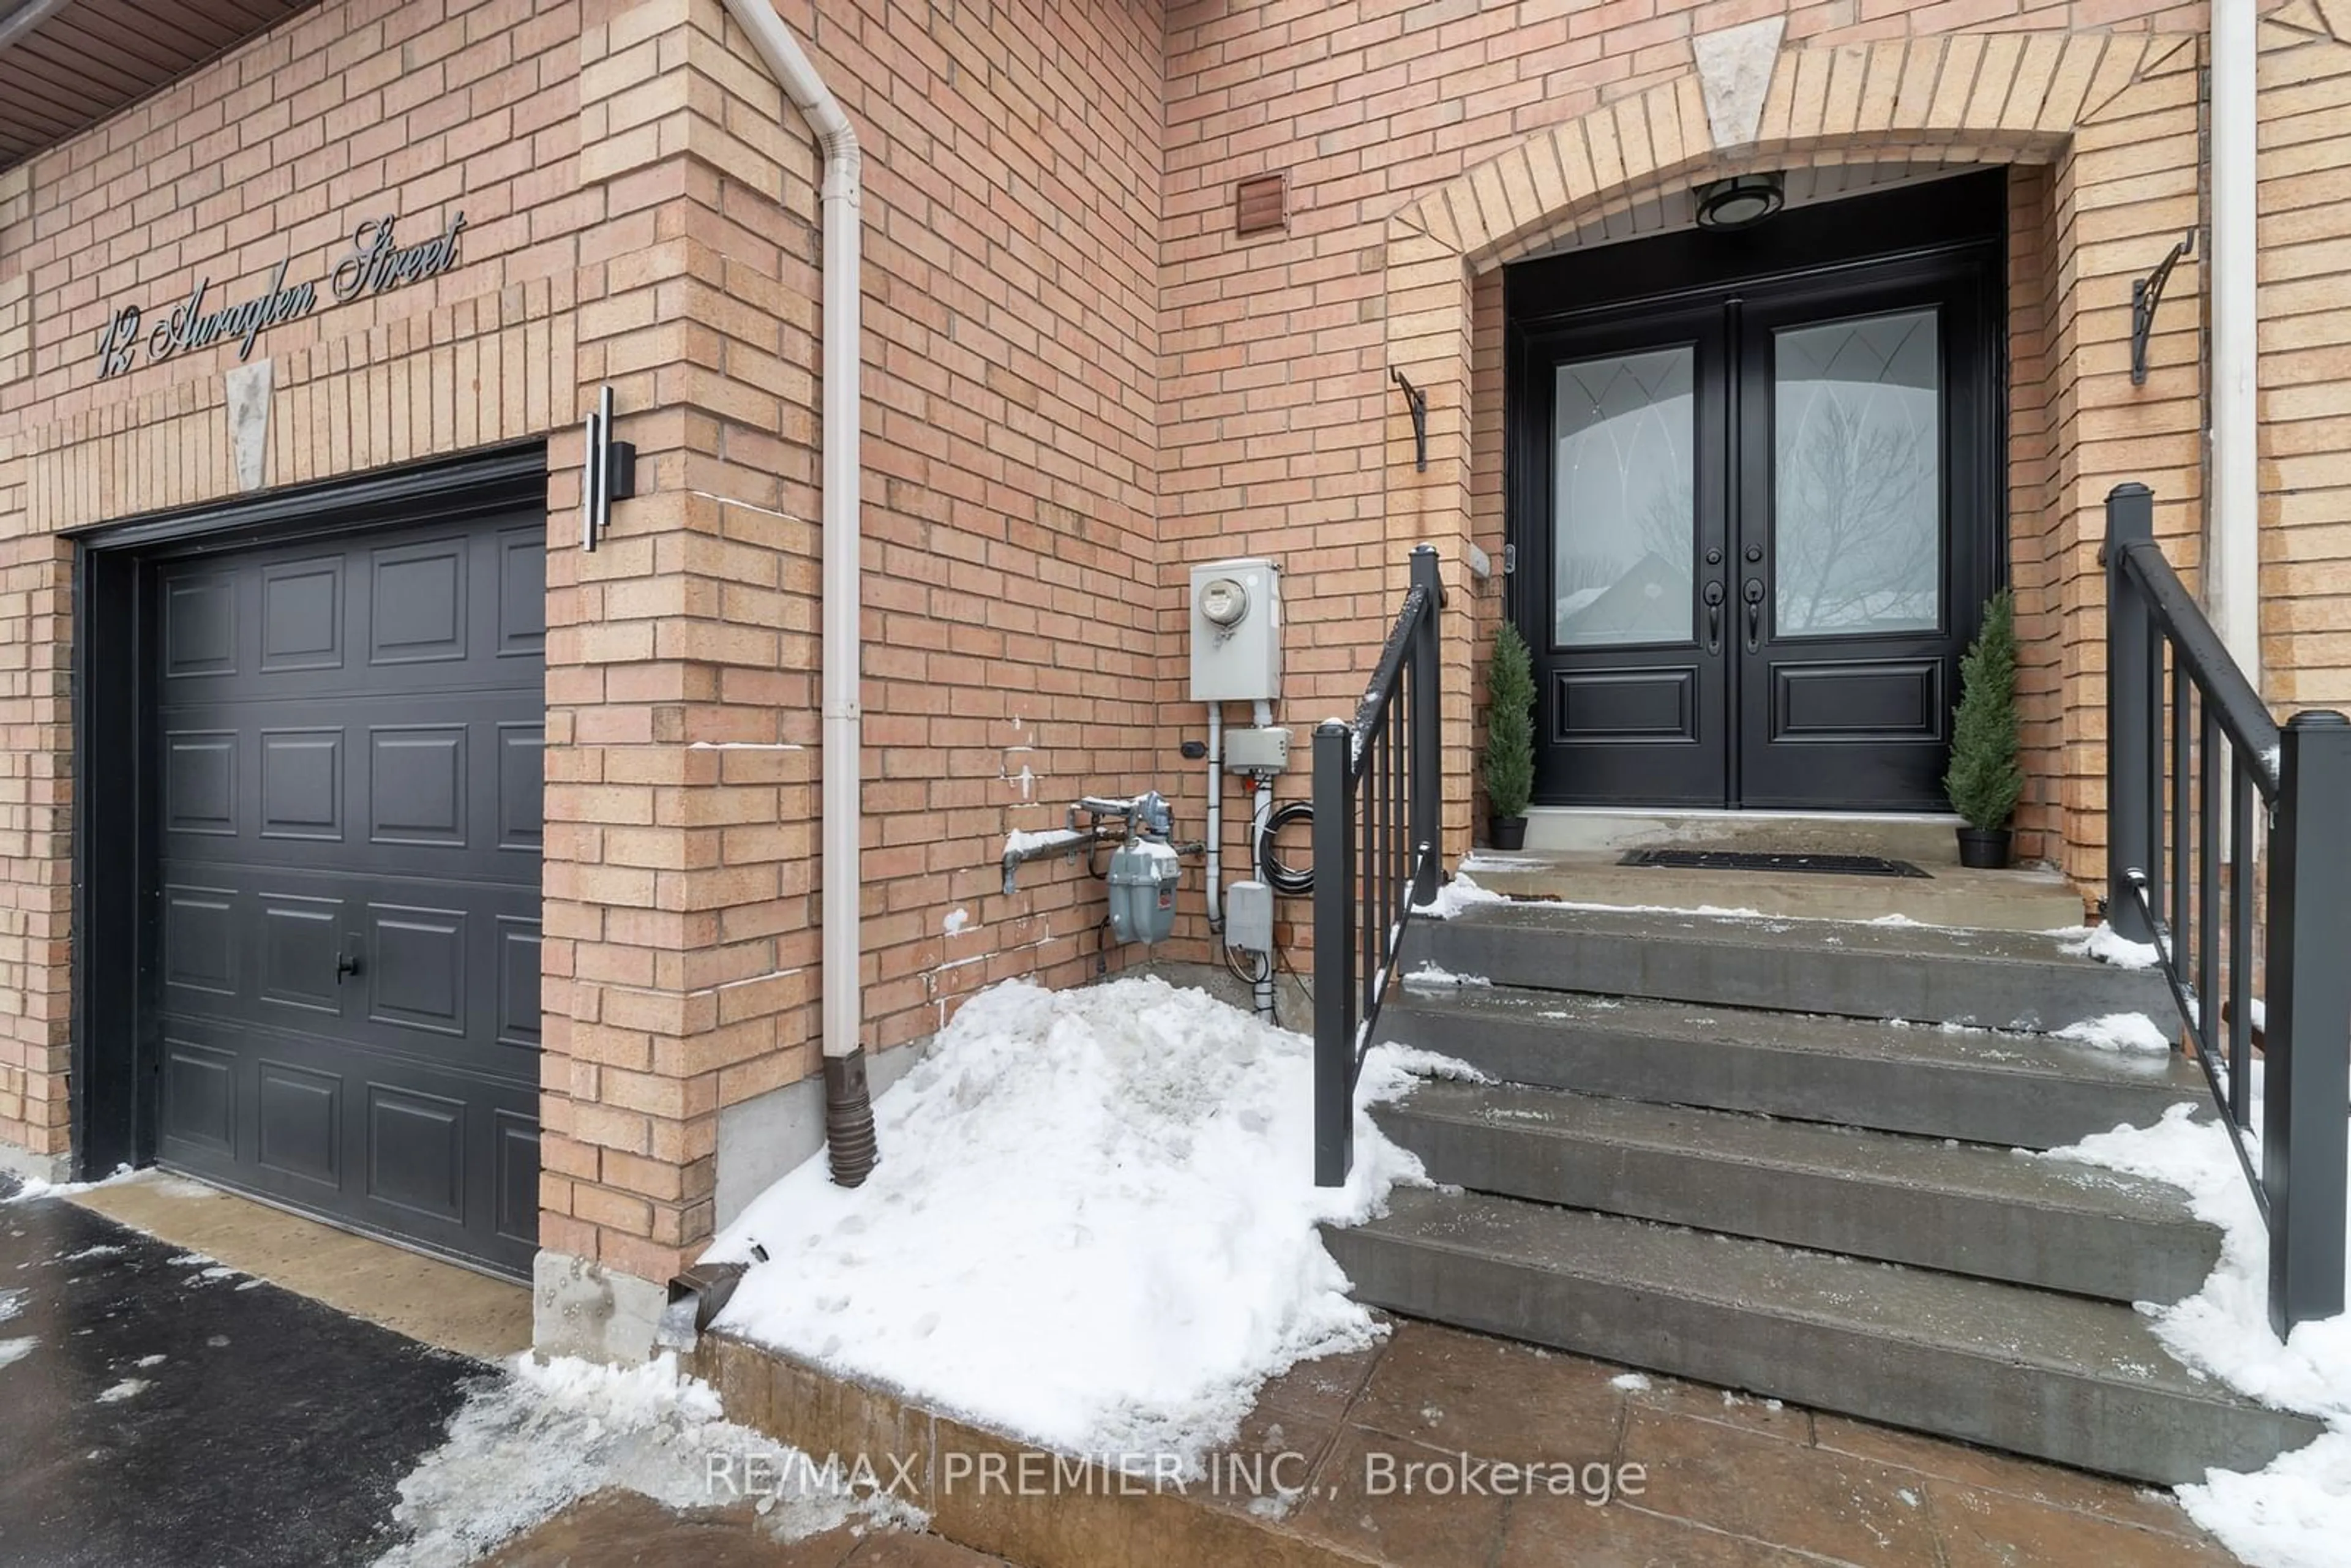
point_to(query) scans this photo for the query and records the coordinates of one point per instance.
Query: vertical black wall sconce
(2146, 293)
(611, 472)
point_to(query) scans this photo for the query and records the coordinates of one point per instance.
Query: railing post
(1427, 760)
(1335, 954)
(2308, 1049)
(2130, 830)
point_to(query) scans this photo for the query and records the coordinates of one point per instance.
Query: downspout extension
(847, 1106)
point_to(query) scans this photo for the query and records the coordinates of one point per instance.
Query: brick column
(682, 723)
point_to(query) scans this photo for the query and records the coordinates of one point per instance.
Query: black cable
(1270, 867)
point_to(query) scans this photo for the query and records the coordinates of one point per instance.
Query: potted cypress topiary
(1985, 778)
(1509, 765)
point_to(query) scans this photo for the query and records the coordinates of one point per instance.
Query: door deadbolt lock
(1714, 556)
(1754, 554)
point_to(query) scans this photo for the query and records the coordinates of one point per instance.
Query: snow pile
(2102, 943)
(1455, 896)
(14, 1350)
(2131, 1033)
(539, 1434)
(1432, 975)
(2297, 1512)
(30, 1188)
(1094, 1225)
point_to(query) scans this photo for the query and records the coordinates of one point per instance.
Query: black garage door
(346, 738)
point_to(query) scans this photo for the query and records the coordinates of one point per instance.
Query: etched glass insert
(1857, 477)
(1624, 511)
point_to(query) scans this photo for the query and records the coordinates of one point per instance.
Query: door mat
(1743, 859)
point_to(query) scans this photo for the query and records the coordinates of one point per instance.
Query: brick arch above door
(2113, 116)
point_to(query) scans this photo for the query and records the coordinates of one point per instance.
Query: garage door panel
(350, 733)
(518, 978)
(200, 624)
(299, 940)
(302, 615)
(200, 772)
(201, 942)
(436, 971)
(301, 784)
(455, 796)
(416, 1152)
(200, 1097)
(418, 608)
(298, 1116)
(522, 594)
(417, 778)
(521, 787)
(418, 981)
(514, 1171)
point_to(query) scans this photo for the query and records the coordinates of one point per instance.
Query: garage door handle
(345, 963)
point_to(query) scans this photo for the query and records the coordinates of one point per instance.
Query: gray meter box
(1237, 631)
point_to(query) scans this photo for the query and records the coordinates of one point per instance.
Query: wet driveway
(158, 1409)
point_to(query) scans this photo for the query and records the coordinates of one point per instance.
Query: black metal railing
(2187, 739)
(1377, 794)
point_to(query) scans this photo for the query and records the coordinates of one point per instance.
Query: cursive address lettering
(377, 263)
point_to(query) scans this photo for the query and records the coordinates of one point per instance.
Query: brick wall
(1079, 382)
(273, 152)
(1280, 435)
(1011, 213)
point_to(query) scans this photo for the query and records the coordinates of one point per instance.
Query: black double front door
(1755, 520)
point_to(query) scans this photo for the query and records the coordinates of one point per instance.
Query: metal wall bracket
(2146, 293)
(1416, 402)
(611, 474)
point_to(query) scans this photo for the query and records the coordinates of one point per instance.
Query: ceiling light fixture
(1741, 202)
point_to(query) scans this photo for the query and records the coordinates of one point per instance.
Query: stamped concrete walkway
(1443, 1449)
(1722, 1479)
(253, 1425)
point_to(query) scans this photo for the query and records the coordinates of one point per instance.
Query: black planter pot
(1985, 849)
(1509, 832)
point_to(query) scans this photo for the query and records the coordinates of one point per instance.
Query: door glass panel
(1622, 507)
(1858, 476)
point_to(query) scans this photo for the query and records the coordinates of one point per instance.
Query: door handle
(347, 962)
(1714, 596)
(1752, 591)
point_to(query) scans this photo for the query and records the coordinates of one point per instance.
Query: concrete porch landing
(1947, 895)
(1724, 1480)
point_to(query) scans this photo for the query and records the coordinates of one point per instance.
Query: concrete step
(1964, 1208)
(2062, 1378)
(1923, 839)
(2019, 1090)
(1993, 979)
(1946, 896)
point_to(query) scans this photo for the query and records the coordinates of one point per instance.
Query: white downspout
(2233, 592)
(848, 1108)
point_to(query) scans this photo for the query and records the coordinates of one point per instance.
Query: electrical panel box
(1237, 631)
(1249, 917)
(1256, 750)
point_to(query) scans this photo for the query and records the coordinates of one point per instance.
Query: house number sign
(376, 264)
